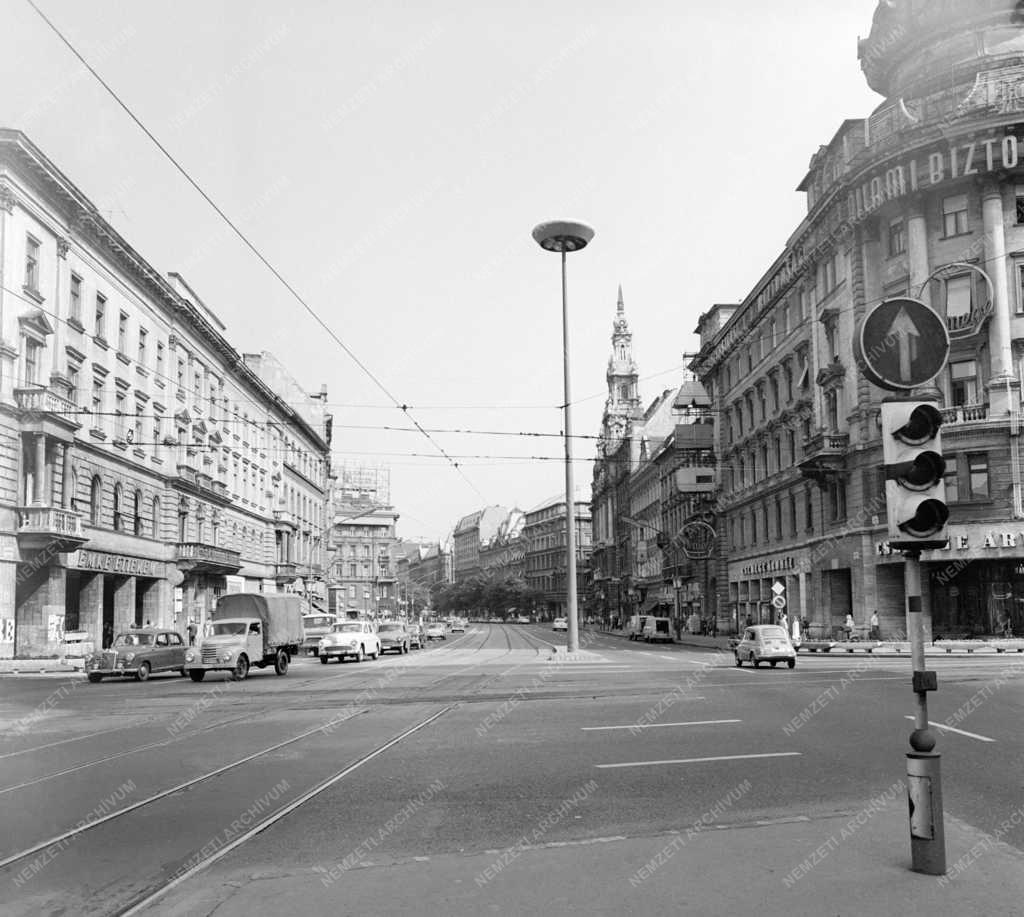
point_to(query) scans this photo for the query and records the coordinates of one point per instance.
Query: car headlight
(190, 656)
(322, 644)
(128, 657)
(225, 657)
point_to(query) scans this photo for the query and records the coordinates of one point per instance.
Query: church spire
(623, 402)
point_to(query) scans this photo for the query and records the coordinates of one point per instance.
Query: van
(657, 629)
(635, 627)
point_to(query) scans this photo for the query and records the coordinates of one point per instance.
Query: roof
(691, 394)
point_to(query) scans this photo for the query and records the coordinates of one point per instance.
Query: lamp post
(565, 236)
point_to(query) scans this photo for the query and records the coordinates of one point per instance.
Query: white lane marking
(659, 725)
(774, 754)
(970, 735)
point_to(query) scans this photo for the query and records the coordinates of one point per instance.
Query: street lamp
(566, 236)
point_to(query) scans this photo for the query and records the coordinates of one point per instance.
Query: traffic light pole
(924, 781)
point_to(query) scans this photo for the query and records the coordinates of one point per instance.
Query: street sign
(901, 344)
(779, 602)
(778, 587)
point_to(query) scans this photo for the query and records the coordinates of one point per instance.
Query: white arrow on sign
(905, 329)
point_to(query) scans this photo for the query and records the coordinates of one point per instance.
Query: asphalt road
(470, 745)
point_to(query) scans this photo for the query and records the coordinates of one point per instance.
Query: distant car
(494, 620)
(458, 627)
(417, 636)
(139, 652)
(522, 619)
(349, 638)
(436, 632)
(765, 643)
(393, 636)
(657, 630)
(560, 624)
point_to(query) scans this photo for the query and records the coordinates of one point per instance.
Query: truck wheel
(143, 673)
(197, 674)
(281, 663)
(241, 669)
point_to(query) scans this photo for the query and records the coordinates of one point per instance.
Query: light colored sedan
(349, 638)
(560, 624)
(765, 643)
(436, 632)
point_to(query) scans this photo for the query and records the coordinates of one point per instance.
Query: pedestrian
(876, 631)
(849, 625)
(108, 635)
(784, 621)
(750, 620)
(192, 633)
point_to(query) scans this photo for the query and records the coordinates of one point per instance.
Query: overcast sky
(391, 159)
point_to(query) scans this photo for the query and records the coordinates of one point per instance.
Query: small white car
(560, 624)
(458, 627)
(436, 631)
(349, 638)
(765, 643)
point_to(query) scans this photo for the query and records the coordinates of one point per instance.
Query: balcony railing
(826, 442)
(284, 517)
(965, 413)
(285, 572)
(197, 555)
(42, 403)
(50, 526)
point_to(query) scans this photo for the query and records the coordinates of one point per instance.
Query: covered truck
(248, 629)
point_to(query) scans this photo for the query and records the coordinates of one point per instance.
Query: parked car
(393, 636)
(560, 624)
(657, 630)
(436, 631)
(765, 643)
(417, 636)
(349, 638)
(139, 652)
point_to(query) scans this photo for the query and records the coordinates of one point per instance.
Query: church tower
(623, 404)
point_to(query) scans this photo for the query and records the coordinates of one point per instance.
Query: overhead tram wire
(252, 247)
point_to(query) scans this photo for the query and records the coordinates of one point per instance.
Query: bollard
(924, 794)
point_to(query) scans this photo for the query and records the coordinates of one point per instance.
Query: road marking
(774, 754)
(659, 725)
(970, 735)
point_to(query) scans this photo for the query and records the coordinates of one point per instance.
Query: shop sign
(113, 563)
(958, 160)
(774, 565)
(1000, 91)
(966, 540)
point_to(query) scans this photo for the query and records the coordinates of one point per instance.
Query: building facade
(923, 198)
(144, 460)
(545, 570)
(471, 533)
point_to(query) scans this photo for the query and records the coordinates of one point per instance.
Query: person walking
(876, 631)
(192, 629)
(849, 625)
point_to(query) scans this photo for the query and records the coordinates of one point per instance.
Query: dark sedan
(139, 652)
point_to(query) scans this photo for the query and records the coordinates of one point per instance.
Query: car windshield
(317, 621)
(390, 628)
(348, 628)
(775, 633)
(229, 628)
(134, 640)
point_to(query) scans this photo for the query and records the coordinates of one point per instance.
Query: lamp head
(563, 236)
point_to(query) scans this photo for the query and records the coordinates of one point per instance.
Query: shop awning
(652, 603)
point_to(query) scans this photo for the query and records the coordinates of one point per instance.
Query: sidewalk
(40, 666)
(855, 864)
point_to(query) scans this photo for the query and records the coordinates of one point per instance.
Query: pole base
(927, 831)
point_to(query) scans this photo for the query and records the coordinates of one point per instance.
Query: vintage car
(560, 624)
(765, 643)
(393, 636)
(417, 636)
(349, 638)
(139, 652)
(437, 631)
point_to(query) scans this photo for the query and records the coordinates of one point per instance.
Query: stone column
(1003, 386)
(90, 607)
(917, 251)
(66, 492)
(124, 603)
(39, 482)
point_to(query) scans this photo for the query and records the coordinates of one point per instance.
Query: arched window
(137, 509)
(156, 517)
(96, 501)
(72, 485)
(118, 519)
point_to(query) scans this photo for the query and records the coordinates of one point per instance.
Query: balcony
(197, 557)
(964, 413)
(44, 411)
(49, 528)
(201, 484)
(284, 519)
(285, 573)
(824, 456)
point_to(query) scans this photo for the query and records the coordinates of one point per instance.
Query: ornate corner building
(922, 198)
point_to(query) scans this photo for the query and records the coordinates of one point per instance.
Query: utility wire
(252, 247)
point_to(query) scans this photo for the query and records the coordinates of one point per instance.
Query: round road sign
(901, 344)
(779, 602)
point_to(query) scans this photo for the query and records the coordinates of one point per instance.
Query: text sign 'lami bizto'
(901, 344)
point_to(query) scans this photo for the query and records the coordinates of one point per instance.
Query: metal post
(924, 783)
(570, 503)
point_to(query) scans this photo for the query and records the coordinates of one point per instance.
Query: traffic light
(915, 491)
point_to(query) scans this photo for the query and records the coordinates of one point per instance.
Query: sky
(391, 159)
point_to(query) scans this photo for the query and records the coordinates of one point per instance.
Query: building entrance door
(72, 599)
(108, 611)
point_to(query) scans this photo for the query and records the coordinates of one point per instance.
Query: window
(963, 382)
(100, 327)
(122, 332)
(837, 499)
(832, 410)
(156, 517)
(73, 383)
(352, 571)
(808, 511)
(952, 480)
(137, 509)
(118, 518)
(32, 264)
(159, 358)
(775, 394)
(181, 375)
(753, 527)
(792, 513)
(958, 295)
(787, 375)
(954, 215)
(33, 353)
(97, 401)
(1020, 205)
(777, 442)
(75, 310)
(142, 346)
(897, 237)
(977, 473)
(791, 444)
(778, 517)
(119, 403)
(96, 500)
